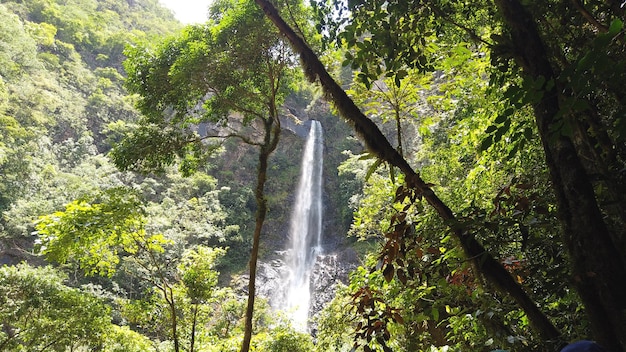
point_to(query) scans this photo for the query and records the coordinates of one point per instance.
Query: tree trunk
(169, 298)
(192, 343)
(375, 141)
(272, 133)
(598, 269)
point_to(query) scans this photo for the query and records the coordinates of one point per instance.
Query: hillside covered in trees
(100, 256)
(474, 163)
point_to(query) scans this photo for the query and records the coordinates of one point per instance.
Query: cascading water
(306, 229)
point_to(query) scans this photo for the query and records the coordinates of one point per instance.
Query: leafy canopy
(96, 232)
(39, 313)
(235, 63)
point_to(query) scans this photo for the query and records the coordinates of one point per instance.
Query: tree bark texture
(376, 142)
(597, 266)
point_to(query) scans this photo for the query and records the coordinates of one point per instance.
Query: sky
(188, 11)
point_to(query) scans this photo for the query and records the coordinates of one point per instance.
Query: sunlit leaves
(417, 259)
(510, 128)
(393, 100)
(39, 312)
(286, 339)
(96, 231)
(383, 40)
(198, 273)
(123, 339)
(389, 37)
(160, 145)
(18, 52)
(56, 97)
(224, 74)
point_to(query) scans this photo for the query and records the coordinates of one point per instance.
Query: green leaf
(504, 116)
(499, 133)
(615, 27)
(579, 105)
(528, 133)
(586, 61)
(486, 143)
(94, 231)
(373, 168)
(435, 314)
(539, 82)
(367, 156)
(397, 81)
(513, 151)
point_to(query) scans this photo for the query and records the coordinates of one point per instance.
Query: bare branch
(234, 135)
(589, 17)
(467, 30)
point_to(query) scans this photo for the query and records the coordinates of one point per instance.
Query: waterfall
(306, 229)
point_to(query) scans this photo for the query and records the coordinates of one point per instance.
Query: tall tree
(597, 262)
(390, 101)
(231, 74)
(100, 233)
(95, 232)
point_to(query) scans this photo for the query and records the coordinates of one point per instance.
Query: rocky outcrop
(330, 270)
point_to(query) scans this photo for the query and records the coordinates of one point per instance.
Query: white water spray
(306, 229)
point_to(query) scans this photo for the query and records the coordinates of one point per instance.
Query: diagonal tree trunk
(375, 141)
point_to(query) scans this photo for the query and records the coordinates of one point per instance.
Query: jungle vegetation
(476, 164)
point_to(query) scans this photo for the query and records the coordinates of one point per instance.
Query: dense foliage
(488, 207)
(141, 251)
(530, 53)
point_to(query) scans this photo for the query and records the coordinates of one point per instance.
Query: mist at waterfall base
(305, 233)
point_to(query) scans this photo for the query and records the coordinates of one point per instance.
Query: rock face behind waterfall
(329, 271)
(269, 280)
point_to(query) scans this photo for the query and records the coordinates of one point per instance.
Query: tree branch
(233, 135)
(467, 30)
(589, 17)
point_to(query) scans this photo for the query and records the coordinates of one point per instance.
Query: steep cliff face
(330, 270)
